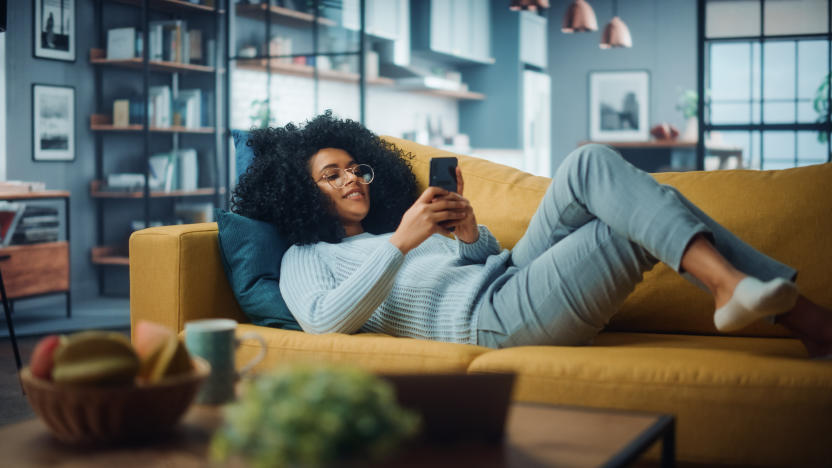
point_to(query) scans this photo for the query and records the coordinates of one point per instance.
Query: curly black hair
(277, 188)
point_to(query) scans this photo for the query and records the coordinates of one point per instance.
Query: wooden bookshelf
(172, 6)
(277, 12)
(456, 94)
(99, 57)
(108, 255)
(309, 71)
(33, 195)
(97, 190)
(104, 123)
(348, 77)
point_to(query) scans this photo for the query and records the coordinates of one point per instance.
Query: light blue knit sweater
(364, 283)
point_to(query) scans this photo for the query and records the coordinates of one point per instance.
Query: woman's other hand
(423, 219)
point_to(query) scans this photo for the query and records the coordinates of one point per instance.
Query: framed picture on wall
(54, 29)
(618, 103)
(53, 123)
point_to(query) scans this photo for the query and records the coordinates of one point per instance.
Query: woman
(365, 255)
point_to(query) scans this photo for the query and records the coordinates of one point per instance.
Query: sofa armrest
(176, 275)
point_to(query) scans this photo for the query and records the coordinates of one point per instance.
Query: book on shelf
(121, 112)
(175, 170)
(159, 103)
(172, 41)
(124, 43)
(126, 182)
(10, 215)
(187, 108)
(21, 186)
(195, 46)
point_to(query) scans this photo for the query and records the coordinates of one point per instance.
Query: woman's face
(352, 201)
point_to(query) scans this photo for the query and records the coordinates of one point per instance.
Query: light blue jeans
(601, 224)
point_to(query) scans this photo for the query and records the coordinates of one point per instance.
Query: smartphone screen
(443, 173)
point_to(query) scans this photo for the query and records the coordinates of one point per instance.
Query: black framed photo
(54, 29)
(618, 105)
(53, 123)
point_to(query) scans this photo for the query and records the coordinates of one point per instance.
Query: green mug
(215, 341)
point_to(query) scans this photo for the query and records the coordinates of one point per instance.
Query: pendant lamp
(579, 18)
(531, 5)
(616, 33)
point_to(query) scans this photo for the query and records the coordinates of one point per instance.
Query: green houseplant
(821, 105)
(307, 416)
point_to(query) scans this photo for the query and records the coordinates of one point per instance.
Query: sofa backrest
(786, 214)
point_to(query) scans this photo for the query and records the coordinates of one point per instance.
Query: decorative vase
(691, 132)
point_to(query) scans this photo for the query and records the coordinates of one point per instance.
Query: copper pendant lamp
(616, 33)
(580, 17)
(531, 5)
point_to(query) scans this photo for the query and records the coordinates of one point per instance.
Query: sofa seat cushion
(375, 352)
(737, 400)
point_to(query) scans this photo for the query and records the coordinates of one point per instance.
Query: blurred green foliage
(308, 416)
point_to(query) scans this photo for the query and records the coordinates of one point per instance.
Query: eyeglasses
(337, 177)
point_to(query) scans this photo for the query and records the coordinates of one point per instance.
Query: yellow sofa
(748, 399)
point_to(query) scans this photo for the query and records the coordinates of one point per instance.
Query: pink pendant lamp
(579, 18)
(616, 33)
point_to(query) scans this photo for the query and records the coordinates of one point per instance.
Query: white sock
(753, 300)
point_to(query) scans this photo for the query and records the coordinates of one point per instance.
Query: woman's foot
(752, 300)
(812, 324)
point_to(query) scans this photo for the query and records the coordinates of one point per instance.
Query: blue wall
(664, 43)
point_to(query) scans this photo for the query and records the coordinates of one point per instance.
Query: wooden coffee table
(536, 436)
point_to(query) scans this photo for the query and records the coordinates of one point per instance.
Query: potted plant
(821, 105)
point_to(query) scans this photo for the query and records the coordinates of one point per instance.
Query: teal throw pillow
(251, 252)
(243, 155)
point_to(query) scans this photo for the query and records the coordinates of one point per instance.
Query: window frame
(704, 44)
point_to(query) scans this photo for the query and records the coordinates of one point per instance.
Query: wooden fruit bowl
(93, 415)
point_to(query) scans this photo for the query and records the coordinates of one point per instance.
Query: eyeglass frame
(351, 170)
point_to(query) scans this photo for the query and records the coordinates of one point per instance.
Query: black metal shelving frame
(703, 46)
(268, 56)
(174, 9)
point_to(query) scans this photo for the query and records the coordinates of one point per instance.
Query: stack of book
(176, 170)
(10, 214)
(37, 224)
(187, 108)
(20, 186)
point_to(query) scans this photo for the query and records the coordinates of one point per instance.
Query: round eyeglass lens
(364, 173)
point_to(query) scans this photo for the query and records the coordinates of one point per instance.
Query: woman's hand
(466, 228)
(423, 219)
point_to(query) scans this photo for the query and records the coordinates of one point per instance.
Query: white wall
(2, 106)
(389, 111)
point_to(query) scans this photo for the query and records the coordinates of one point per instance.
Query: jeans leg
(595, 182)
(745, 258)
(566, 295)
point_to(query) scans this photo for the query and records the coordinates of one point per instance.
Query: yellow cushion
(786, 214)
(375, 352)
(504, 199)
(755, 401)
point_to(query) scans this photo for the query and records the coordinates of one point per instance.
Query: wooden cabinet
(454, 31)
(37, 269)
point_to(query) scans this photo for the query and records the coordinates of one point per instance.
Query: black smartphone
(443, 173)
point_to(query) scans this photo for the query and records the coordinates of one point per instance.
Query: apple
(43, 357)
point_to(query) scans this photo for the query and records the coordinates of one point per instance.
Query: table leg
(9, 323)
(669, 446)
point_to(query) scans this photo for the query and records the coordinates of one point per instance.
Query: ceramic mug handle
(256, 359)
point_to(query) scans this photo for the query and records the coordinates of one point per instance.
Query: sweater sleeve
(320, 305)
(484, 246)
